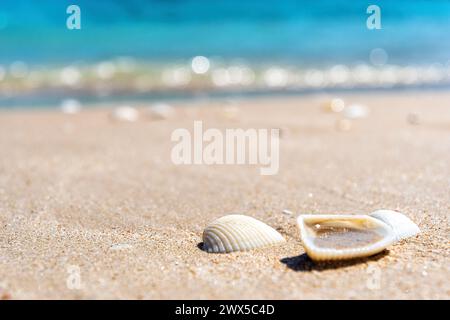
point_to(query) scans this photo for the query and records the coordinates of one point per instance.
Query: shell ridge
(216, 242)
(228, 235)
(224, 238)
(267, 234)
(270, 233)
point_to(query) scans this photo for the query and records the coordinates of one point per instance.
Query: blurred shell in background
(161, 111)
(70, 106)
(334, 105)
(125, 113)
(356, 111)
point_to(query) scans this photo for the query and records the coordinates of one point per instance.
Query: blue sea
(294, 33)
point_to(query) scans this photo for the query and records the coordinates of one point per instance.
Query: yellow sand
(83, 192)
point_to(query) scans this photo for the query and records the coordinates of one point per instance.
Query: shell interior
(339, 235)
(335, 237)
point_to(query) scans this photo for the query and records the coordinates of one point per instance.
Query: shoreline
(107, 81)
(202, 98)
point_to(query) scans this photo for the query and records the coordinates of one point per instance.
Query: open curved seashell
(402, 226)
(237, 232)
(339, 237)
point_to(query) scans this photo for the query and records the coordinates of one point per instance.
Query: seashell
(339, 237)
(356, 111)
(125, 113)
(237, 232)
(161, 111)
(402, 226)
(70, 106)
(334, 105)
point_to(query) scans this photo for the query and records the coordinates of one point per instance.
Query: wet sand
(92, 208)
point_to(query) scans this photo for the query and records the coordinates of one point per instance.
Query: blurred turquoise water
(255, 47)
(299, 32)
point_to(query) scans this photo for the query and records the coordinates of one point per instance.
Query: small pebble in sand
(356, 111)
(70, 106)
(121, 246)
(343, 124)
(413, 118)
(161, 111)
(287, 212)
(125, 113)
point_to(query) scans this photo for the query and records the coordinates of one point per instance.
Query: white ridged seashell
(237, 232)
(402, 226)
(339, 237)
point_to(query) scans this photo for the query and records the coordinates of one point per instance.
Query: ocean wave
(129, 76)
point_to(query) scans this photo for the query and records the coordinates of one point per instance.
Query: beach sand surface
(92, 208)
